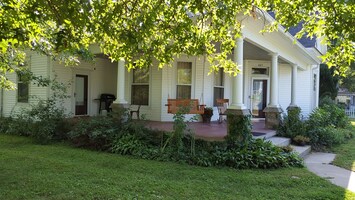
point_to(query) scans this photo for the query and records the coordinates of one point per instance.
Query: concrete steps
(302, 151)
(279, 141)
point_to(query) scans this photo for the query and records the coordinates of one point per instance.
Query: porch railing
(350, 112)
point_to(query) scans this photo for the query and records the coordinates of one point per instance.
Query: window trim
(28, 91)
(149, 83)
(192, 77)
(218, 86)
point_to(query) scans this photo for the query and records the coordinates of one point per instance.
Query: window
(263, 71)
(184, 80)
(218, 89)
(22, 89)
(140, 86)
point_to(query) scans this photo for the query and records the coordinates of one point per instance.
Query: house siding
(102, 76)
(285, 74)
(39, 66)
(152, 111)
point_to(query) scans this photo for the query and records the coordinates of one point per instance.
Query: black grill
(107, 99)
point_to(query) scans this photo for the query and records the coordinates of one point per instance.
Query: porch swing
(186, 106)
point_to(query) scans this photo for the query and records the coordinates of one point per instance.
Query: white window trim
(149, 85)
(223, 86)
(193, 76)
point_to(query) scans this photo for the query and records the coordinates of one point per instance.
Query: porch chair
(222, 105)
(135, 111)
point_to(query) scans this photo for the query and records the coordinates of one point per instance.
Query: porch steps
(279, 141)
(302, 151)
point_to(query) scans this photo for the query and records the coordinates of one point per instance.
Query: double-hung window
(140, 86)
(22, 89)
(218, 89)
(184, 80)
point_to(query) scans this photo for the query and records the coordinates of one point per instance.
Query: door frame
(267, 79)
(88, 106)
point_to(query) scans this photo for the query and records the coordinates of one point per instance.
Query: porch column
(237, 81)
(238, 117)
(293, 86)
(274, 100)
(120, 103)
(273, 110)
(120, 99)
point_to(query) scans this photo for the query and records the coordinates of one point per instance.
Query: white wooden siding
(304, 86)
(285, 86)
(39, 66)
(102, 78)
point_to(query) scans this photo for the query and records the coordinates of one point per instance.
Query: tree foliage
(328, 82)
(348, 79)
(140, 30)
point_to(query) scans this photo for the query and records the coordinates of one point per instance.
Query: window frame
(177, 78)
(21, 82)
(148, 83)
(221, 86)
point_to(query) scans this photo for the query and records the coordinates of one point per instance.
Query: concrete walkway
(320, 164)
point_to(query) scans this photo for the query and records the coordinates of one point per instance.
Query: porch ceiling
(252, 52)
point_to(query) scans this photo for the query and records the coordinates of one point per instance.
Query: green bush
(326, 137)
(20, 125)
(291, 125)
(95, 133)
(257, 154)
(5, 122)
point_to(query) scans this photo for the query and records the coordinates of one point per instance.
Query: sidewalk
(319, 163)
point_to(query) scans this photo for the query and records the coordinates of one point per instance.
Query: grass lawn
(29, 171)
(346, 154)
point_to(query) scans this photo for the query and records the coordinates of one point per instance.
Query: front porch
(214, 131)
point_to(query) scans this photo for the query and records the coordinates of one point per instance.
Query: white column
(274, 97)
(120, 99)
(293, 85)
(237, 81)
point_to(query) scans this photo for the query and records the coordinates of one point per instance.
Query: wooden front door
(81, 95)
(258, 98)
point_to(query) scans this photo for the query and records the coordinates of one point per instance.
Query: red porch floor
(211, 131)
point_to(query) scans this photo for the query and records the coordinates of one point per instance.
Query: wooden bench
(185, 106)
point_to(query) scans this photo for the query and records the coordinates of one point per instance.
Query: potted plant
(207, 115)
(301, 140)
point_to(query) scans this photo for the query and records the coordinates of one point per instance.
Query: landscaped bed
(58, 171)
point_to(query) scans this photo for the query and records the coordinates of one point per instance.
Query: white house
(276, 71)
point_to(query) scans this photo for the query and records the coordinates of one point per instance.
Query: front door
(81, 95)
(258, 98)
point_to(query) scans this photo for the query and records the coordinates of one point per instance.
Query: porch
(214, 131)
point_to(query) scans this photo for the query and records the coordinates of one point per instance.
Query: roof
(305, 41)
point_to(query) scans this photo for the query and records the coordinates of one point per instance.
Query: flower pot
(207, 115)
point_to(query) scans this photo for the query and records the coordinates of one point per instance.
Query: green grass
(346, 154)
(58, 171)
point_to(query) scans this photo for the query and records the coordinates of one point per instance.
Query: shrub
(5, 122)
(326, 137)
(291, 124)
(127, 145)
(301, 140)
(257, 154)
(95, 133)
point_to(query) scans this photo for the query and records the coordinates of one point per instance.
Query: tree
(140, 30)
(328, 82)
(348, 80)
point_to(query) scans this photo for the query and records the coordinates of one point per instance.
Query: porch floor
(214, 130)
